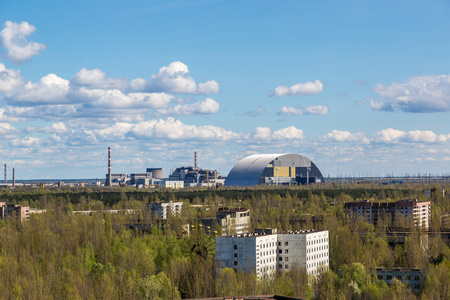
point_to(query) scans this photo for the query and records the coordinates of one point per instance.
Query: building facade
(233, 221)
(21, 212)
(412, 277)
(265, 254)
(372, 212)
(164, 209)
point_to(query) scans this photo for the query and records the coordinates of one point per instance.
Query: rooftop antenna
(195, 160)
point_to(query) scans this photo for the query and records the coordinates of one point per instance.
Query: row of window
(312, 257)
(318, 241)
(399, 277)
(324, 247)
(313, 265)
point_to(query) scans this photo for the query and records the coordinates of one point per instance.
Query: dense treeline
(59, 254)
(113, 196)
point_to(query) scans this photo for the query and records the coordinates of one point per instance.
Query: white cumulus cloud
(175, 129)
(420, 94)
(299, 89)
(298, 110)
(51, 89)
(344, 136)
(9, 79)
(97, 79)
(175, 78)
(14, 40)
(316, 110)
(208, 106)
(286, 110)
(265, 133)
(390, 135)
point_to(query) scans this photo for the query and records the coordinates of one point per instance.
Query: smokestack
(195, 160)
(14, 178)
(6, 179)
(109, 167)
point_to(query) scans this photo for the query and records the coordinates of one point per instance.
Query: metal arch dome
(248, 170)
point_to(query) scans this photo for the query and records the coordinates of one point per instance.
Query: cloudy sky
(362, 87)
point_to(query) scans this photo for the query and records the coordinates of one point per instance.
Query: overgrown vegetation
(58, 254)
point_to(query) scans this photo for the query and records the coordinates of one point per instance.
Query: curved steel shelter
(273, 169)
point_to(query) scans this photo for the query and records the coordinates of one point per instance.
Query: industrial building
(152, 176)
(372, 212)
(164, 209)
(195, 176)
(229, 221)
(267, 252)
(274, 169)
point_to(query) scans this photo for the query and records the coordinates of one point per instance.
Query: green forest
(62, 255)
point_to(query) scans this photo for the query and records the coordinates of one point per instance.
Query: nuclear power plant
(260, 169)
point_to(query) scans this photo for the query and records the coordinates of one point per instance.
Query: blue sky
(363, 85)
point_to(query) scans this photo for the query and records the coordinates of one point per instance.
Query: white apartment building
(163, 209)
(266, 253)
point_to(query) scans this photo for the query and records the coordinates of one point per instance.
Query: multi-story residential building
(266, 253)
(233, 221)
(229, 221)
(163, 209)
(413, 277)
(21, 212)
(372, 212)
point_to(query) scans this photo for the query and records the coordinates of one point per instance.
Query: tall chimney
(14, 178)
(6, 179)
(195, 160)
(109, 167)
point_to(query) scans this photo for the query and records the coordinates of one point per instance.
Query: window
(235, 247)
(280, 258)
(399, 277)
(416, 277)
(286, 267)
(380, 277)
(279, 243)
(280, 251)
(286, 258)
(389, 277)
(286, 251)
(235, 254)
(235, 263)
(286, 243)
(280, 266)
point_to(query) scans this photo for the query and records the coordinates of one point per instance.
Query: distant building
(150, 177)
(21, 212)
(274, 169)
(229, 221)
(372, 212)
(164, 209)
(195, 176)
(412, 277)
(173, 184)
(116, 179)
(233, 221)
(266, 253)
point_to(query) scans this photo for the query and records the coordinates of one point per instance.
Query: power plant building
(274, 169)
